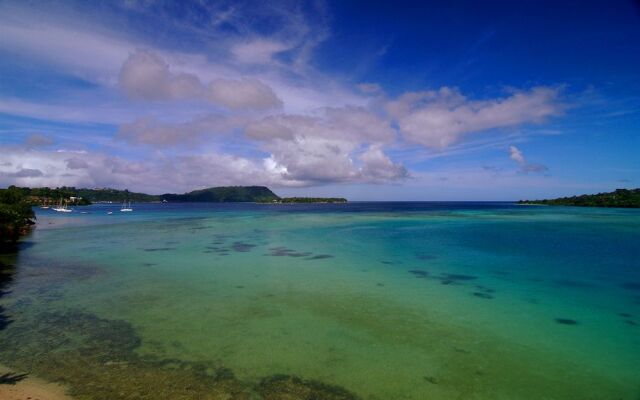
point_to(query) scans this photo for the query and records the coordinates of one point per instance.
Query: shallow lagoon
(367, 300)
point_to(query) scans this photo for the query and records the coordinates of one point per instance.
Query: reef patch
(482, 295)
(419, 273)
(96, 358)
(319, 257)
(566, 321)
(152, 249)
(242, 247)
(285, 387)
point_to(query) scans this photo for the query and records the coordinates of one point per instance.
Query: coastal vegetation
(102, 195)
(624, 198)
(80, 196)
(16, 215)
(42, 195)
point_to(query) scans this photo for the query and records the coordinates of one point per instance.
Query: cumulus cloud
(378, 167)
(334, 145)
(25, 173)
(324, 148)
(243, 93)
(151, 131)
(161, 174)
(525, 167)
(145, 75)
(76, 163)
(442, 117)
(516, 155)
(350, 124)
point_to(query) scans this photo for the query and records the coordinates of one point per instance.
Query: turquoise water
(384, 300)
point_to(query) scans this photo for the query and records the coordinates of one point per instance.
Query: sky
(394, 100)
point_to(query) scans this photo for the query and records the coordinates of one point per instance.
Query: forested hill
(624, 198)
(225, 194)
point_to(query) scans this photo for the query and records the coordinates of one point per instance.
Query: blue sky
(369, 100)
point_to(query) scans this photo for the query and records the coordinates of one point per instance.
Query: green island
(247, 194)
(622, 198)
(258, 194)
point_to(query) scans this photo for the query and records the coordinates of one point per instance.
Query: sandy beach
(14, 387)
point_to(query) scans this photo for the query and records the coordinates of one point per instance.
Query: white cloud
(322, 148)
(349, 124)
(87, 54)
(516, 155)
(313, 160)
(26, 173)
(525, 167)
(440, 118)
(150, 131)
(335, 145)
(258, 51)
(378, 167)
(246, 93)
(76, 163)
(145, 75)
(236, 55)
(160, 174)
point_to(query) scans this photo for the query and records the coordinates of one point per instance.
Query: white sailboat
(59, 207)
(62, 207)
(126, 207)
(44, 205)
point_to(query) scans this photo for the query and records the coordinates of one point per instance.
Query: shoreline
(16, 386)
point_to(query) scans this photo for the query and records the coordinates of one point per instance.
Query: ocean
(369, 300)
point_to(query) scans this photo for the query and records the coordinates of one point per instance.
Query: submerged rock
(320, 257)
(483, 295)
(566, 321)
(419, 273)
(242, 247)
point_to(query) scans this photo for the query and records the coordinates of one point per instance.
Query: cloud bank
(146, 76)
(440, 118)
(231, 99)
